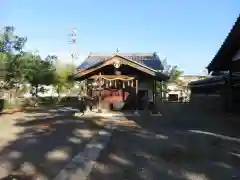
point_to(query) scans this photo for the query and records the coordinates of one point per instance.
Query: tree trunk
(36, 91)
(58, 91)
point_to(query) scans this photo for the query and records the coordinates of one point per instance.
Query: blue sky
(187, 32)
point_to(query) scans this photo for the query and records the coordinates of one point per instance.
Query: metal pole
(73, 41)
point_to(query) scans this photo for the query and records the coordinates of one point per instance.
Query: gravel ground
(42, 143)
(179, 145)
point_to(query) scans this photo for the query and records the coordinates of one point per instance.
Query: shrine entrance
(114, 92)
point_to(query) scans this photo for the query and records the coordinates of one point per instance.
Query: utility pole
(73, 42)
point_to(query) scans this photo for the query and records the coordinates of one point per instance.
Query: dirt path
(8, 131)
(184, 145)
(42, 142)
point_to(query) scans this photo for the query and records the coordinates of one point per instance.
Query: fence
(198, 104)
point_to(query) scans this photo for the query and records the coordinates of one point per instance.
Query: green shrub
(8, 105)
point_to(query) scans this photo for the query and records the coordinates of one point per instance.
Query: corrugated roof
(150, 60)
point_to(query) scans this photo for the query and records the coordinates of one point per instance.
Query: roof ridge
(119, 53)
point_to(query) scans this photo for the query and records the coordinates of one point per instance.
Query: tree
(202, 77)
(18, 68)
(3, 60)
(10, 51)
(9, 42)
(174, 74)
(205, 75)
(62, 82)
(38, 72)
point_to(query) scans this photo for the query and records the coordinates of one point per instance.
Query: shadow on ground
(181, 144)
(48, 141)
(178, 145)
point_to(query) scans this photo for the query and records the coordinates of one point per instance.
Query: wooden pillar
(155, 105)
(154, 92)
(153, 96)
(161, 88)
(123, 91)
(136, 99)
(100, 92)
(87, 89)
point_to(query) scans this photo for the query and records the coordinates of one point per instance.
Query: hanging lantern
(128, 83)
(123, 84)
(132, 84)
(110, 84)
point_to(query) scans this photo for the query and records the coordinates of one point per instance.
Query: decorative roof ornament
(117, 52)
(117, 64)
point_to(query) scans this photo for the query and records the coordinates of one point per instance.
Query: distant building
(179, 91)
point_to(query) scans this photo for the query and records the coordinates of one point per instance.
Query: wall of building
(217, 101)
(147, 85)
(212, 103)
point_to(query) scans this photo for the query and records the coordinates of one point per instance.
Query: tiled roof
(150, 60)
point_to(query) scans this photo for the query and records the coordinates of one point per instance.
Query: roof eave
(228, 40)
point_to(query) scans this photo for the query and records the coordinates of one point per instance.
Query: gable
(150, 60)
(122, 61)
